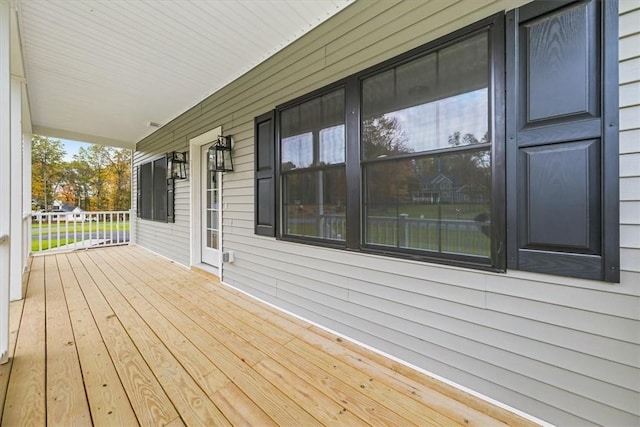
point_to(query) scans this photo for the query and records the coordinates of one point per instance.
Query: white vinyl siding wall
(630, 136)
(565, 350)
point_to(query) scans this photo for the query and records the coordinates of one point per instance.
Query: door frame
(196, 193)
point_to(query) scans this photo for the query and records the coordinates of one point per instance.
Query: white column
(16, 270)
(26, 197)
(5, 177)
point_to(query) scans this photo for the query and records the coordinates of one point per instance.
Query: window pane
(212, 239)
(313, 132)
(381, 205)
(436, 203)
(297, 151)
(314, 203)
(212, 220)
(332, 145)
(433, 102)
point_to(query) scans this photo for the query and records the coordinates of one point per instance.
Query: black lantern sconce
(177, 165)
(219, 153)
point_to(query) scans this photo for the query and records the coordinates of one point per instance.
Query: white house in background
(536, 305)
(67, 212)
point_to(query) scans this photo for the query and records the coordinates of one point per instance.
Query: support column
(15, 145)
(26, 197)
(5, 177)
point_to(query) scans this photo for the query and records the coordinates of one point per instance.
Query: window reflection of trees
(438, 202)
(313, 170)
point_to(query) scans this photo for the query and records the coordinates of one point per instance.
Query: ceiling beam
(82, 137)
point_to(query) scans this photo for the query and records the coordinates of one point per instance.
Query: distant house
(443, 189)
(68, 212)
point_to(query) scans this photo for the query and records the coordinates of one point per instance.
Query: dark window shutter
(171, 199)
(145, 188)
(160, 201)
(265, 165)
(138, 193)
(562, 187)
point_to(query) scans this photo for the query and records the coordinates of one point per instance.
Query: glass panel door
(211, 214)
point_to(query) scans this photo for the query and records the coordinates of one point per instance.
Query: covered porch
(122, 336)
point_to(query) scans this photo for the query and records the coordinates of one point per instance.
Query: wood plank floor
(122, 337)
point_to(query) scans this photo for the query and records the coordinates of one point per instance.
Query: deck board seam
(123, 329)
(75, 342)
(33, 352)
(138, 319)
(161, 330)
(12, 349)
(181, 308)
(143, 319)
(249, 325)
(55, 297)
(231, 314)
(169, 321)
(94, 322)
(443, 397)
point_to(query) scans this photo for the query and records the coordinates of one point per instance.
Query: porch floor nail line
(121, 336)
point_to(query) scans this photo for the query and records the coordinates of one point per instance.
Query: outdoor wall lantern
(177, 165)
(220, 159)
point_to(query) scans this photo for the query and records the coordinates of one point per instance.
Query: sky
(72, 147)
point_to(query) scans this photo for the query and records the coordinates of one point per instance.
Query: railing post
(322, 224)
(403, 230)
(132, 226)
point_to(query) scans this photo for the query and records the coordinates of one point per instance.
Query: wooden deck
(122, 337)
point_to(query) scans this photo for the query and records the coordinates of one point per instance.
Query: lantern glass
(177, 165)
(169, 166)
(211, 160)
(219, 155)
(181, 173)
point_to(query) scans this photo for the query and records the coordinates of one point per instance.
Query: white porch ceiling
(100, 71)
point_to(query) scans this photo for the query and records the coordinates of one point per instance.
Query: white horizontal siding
(629, 212)
(630, 135)
(563, 349)
(630, 141)
(629, 94)
(629, 18)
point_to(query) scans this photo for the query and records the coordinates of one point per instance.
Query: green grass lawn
(467, 242)
(453, 211)
(457, 233)
(49, 244)
(78, 227)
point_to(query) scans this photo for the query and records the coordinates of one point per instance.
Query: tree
(119, 173)
(46, 169)
(98, 178)
(96, 158)
(383, 136)
(475, 163)
(80, 181)
(387, 181)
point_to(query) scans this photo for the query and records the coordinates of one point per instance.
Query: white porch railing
(448, 235)
(68, 231)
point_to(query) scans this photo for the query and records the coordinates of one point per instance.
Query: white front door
(211, 213)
